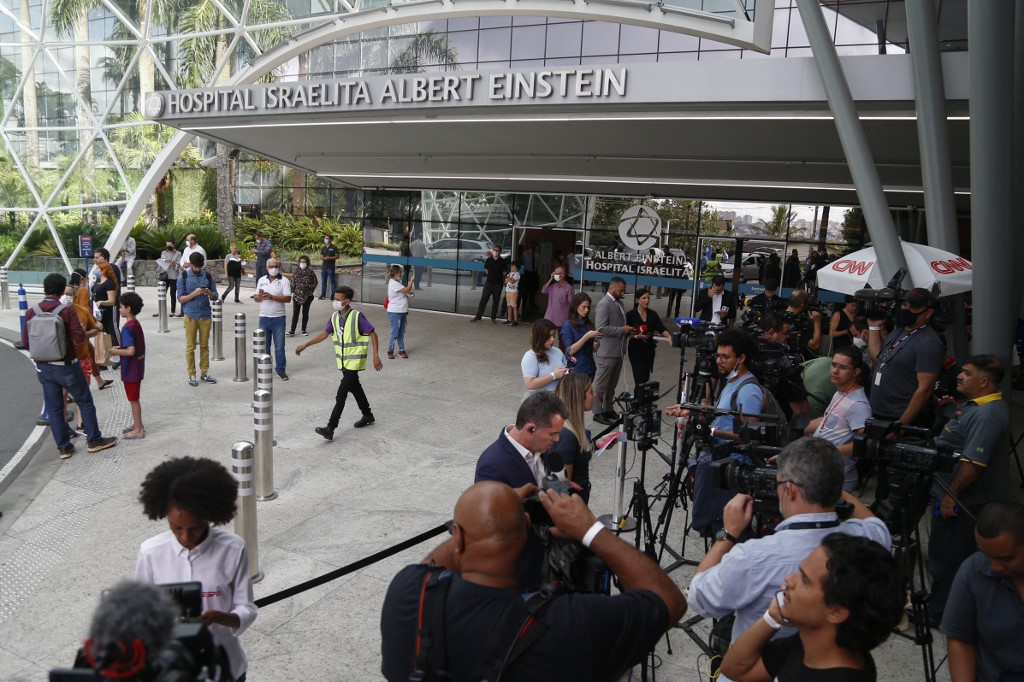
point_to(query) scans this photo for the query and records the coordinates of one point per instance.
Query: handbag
(103, 345)
(162, 277)
(386, 301)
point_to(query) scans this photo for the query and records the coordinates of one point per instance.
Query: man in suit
(516, 458)
(611, 321)
(716, 306)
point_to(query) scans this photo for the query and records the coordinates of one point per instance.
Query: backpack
(47, 335)
(769, 405)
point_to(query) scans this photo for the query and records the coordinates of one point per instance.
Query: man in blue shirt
(743, 577)
(196, 289)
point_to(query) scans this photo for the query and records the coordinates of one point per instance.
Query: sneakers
(65, 453)
(283, 375)
(192, 381)
(403, 354)
(325, 432)
(305, 333)
(391, 355)
(208, 379)
(365, 420)
(102, 444)
(290, 334)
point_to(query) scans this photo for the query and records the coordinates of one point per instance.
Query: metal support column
(990, 35)
(243, 468)
(855, 144)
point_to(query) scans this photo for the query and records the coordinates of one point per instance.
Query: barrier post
(161, 307)
(241, 362)
(218, 330)
(22, 309)
(243, 469)
(5, 289)
(259, 347)
(616, 521)
(129, 284)
(263, 428)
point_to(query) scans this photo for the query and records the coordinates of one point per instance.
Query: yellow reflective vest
(350, 346)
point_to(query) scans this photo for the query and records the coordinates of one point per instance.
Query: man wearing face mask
(329, 255)
(496, 268)
(273, 290)
(263, 249)
(196, 289)
(352, 335)
(907, 362)
(170, 269)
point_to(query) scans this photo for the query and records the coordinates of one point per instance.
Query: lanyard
(900, 344)
(833, 408)
(807, 525)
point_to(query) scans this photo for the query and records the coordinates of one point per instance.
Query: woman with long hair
(579, 338)
(106, 294)
(574, 445)
(304, 283)
(842, 318)
(646, 324)
(398, 309)
(544, 364)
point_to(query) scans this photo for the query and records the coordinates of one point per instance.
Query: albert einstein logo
(639, 227)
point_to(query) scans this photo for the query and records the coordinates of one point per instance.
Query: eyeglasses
(720, 356)
(836, 365)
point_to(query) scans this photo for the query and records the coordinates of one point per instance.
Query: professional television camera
(642, 421)
(566, 562)
(704, 340)
(774, 361)
(881, 303)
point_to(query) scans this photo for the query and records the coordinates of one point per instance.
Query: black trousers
(349, 384)
(490, 290)
(304, 306)
(233, 283)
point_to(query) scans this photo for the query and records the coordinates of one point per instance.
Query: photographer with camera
(847, 412)
(804, 326)
(844, 601)
(743, 577)
(907, 362)
(480, 625)
(980, 432)
(787, 385)
(768, 301)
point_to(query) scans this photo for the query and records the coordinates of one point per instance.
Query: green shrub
(350, 240)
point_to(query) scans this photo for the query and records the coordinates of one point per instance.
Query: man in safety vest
(352, 334)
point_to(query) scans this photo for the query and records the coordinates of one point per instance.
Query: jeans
(194, 327)
(327, 275)
(304, 306)
(397, 321)
(233, 283)
(349, 384)
(54, 378)
(274, 327)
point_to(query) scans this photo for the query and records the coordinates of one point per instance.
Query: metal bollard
(263, 428)
(161, 306)
(259, 347)
(5, 289)
(241, 363)
(263, 378)
(218, 330)
(243, 469)
(22, 309)
(129, 283)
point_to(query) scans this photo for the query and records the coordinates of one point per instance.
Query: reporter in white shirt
(194, 495)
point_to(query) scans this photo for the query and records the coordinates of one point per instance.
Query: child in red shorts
(133, 363)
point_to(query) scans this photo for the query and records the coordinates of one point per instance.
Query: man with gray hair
(273, 290)
(743, 577)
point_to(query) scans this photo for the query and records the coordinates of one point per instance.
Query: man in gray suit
(611, 320)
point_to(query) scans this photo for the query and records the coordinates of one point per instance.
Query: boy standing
(512, 294)
(133, 365)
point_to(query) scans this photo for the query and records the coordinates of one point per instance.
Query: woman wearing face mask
(559, 293)
(544, 364)
(398, 309)
(233, 271)
(647, 324)
(304, 283)
(579, 338)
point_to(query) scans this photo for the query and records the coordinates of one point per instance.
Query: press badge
(878, 377)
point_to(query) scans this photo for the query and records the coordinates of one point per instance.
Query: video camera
(773, 361)
(759, 482)
(881, 303)
(921, 456)
(693, 334)
(642, 422)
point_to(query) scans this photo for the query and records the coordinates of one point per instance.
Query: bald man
(585, 636)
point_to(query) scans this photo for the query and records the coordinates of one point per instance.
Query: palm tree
(778, 224)
(28, 90)
(426, 48)
(71, 18)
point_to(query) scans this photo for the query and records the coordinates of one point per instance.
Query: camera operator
(804, 326)
(769, 301)
(789, 389)
(980, 432)
(844, 601)
(985, 609)
(743, 577)
(907, 362)
(847, 412)
(584, 636)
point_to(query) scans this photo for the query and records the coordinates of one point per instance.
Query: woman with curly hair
(544, 364)
(579, 338)
(304, 283)
(574, 445)
(194, 495)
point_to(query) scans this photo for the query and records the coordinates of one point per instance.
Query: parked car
(459, 249)
(750, 270)
(687, 266)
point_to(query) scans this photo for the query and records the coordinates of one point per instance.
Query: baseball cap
(920, 298)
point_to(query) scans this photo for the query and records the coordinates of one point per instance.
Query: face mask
(303, 266)
(557, 278)
(905, 318)
(66, 300)
(338, 306)
(327, 241)
(273, 271)
(859, 342)
(170, 247)
(732, 375)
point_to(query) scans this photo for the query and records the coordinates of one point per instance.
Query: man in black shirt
(329, 256)
(769, 301)
(495, 268)
(844, 601)
(585, 636)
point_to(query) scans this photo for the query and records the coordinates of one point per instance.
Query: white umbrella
(928, 266)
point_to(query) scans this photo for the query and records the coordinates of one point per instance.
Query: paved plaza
(72, 528)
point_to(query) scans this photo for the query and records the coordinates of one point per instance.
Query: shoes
(131, 437)
(128, 429)
(365, 420)
(192, 381)
(208, 379)
(75, 433)
(178, 315)
(66, 452)
(507, 322)
(156, 314)
(391, 355)
(516, 323)
(237, 301)
(607, 418)
(283, 375)
(475, 319)
(102, 444)
(322, 297)
(494, 321)
(403, 354)
(105, 384)
(305, 333)
(290, 334)
(116, 365)
(325, 432)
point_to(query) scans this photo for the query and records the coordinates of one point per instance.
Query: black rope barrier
(354, 566)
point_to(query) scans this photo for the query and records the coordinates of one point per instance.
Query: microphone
(691, 321)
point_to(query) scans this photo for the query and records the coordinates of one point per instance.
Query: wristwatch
(723, 534)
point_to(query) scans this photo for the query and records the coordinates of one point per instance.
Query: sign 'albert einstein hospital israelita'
(388, 92)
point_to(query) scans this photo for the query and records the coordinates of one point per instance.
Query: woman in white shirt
(398, 309)
(544, 364)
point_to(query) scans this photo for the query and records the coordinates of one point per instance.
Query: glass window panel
(346, 58)
(718, 55)
(495, 44)
(637, 58)
(528, 21)
(797, 34)
(677, 57)
(849, 32)
(600, 38)
(856, 49)
(528, 42)
(677, 42)
(463, 24)
(526, 63)
(398, 46)
(564, 61)
(495, 22)
(638, 40)
(464, 44)
(565, 40)
(780, 27)
(799, 52)
(438, 25)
